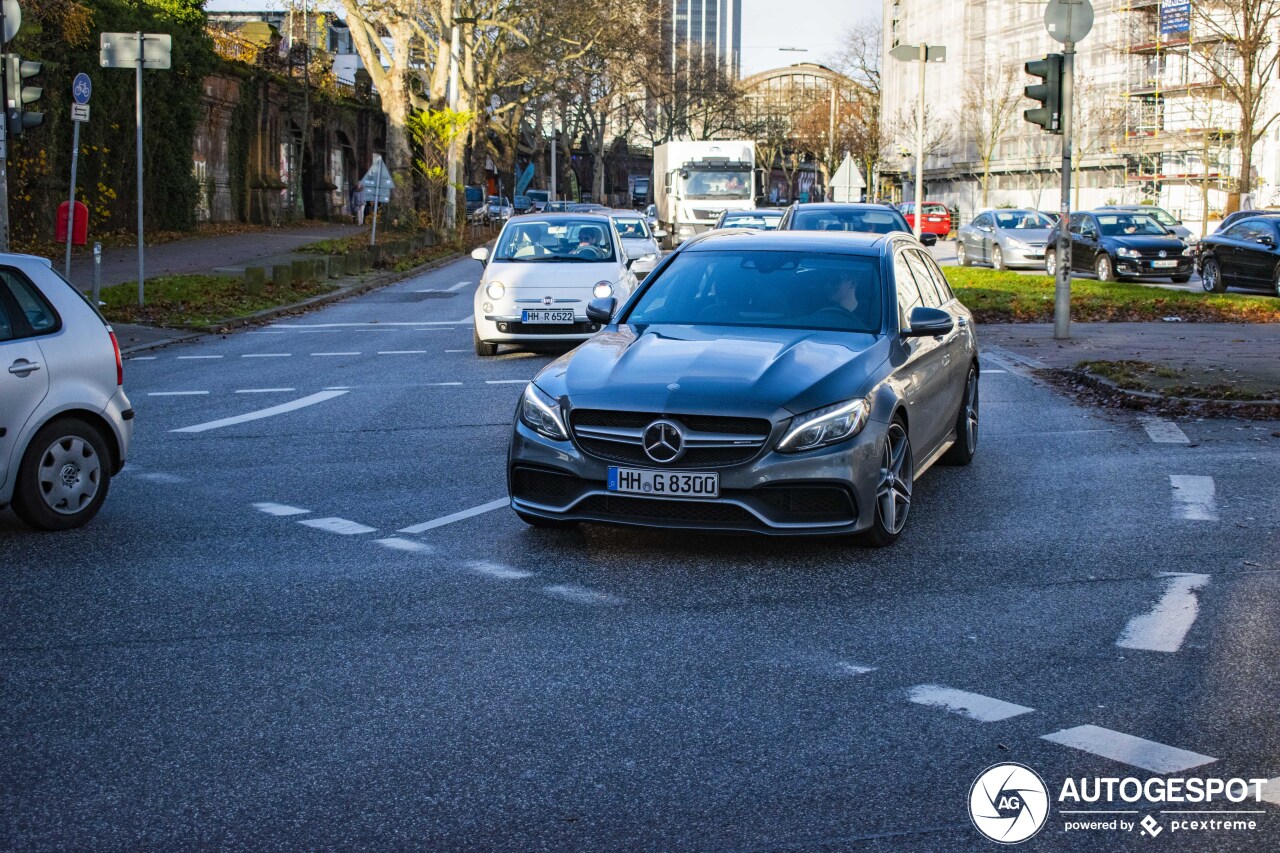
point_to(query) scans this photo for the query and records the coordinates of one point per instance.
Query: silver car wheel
(997, 258)
(69, 475)
(893, 494)
(971, 414)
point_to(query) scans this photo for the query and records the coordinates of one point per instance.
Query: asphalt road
(246, 650)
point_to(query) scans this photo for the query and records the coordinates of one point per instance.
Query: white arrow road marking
(853, 668)
(1162, 431)
(343, 526)
(1139, 752)
(280, 509)
(1165, 628)
(975, 706)
(459, 286)
(457, 516)
(497, 570)
(1194, 496)
(395, 543)
(581, 595)
(281, 409)
(1271, 791)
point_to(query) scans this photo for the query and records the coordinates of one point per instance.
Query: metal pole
(1062, 288)
(71, 208)
(924, 62)
(138, 119)
(4, 149)
(97, 272)
(553, 162)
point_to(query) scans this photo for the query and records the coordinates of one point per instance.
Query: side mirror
(601, 310)
(925, 322)
(659, 233)
(929, 239)
(481, 254)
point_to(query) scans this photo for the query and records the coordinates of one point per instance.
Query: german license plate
(668, 484)
(560, 316)
(1164, 265)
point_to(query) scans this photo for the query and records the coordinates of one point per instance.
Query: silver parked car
(65, 421)
(1004, 238)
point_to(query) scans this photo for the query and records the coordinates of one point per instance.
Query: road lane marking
(581, 595)
(161, 477)
(263, 390)
(506, 382)
(457, 350)
(1271, 791)
(992, 370)
(1127, 749)
(342, 526)
(337, 388)
(402, 352)
(396, 543)
(853, 668)
(140, 358)
(1162, 431)
(335, 353)
(466, 319)
(459, 286)
(1194, 497)
(1165, 628)
(279, 509)
(267, 355)
(443, 384)
(196, 357)
(457, 516)
(176, 393)
(497, 570)
(281, 409)
(975, 706)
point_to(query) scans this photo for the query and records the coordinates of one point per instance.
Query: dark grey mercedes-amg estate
(779, 382)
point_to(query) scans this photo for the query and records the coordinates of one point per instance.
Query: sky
(813, 24)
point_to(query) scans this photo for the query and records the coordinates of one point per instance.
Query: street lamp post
(922, 53)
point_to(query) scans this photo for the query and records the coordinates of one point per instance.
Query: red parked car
(937, 219)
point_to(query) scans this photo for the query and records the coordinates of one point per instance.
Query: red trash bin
(80, 233)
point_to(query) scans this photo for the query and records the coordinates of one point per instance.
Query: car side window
(905, 283)
(1088, 228)
(6, 321)
(1236, 231)
(1077, 220)
(939, 279)
(929, 296)
(983, 221)
(39, 314)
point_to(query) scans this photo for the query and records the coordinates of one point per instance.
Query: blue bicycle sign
(81, 88)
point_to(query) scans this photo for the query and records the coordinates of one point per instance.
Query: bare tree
(988, 110)
(858, 57)
(1097, 126)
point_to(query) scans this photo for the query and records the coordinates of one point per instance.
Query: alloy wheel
(893, 494)
(69, 475)
(1211, 277)
(1103, 268)
(997, 258)
(971, 413)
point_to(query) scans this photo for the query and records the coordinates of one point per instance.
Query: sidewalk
(1245, 355)
(229, 253)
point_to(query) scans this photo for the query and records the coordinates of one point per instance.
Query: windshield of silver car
(549, 241)
(770, 289)
(1022, 219)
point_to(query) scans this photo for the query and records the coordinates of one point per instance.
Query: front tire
(893, 490)
(966, 446)
(962, 257)
(1102, 268)
(1211, 277)
(483, 348)
(997, 258)
(64, 476)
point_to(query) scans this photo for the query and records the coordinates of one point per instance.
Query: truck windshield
(721, 183)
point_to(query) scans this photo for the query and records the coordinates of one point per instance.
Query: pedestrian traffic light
(1048, 93)
(18, 95)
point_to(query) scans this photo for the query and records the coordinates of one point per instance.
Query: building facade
(707, 30)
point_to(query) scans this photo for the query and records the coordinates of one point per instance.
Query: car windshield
(867, 221)
(931, 208)
(767, 221)
(1021, 220)
(631, 229)
(1129, 225)
(1159, 215)
(720, 183)
(550, 241)
(770, 289)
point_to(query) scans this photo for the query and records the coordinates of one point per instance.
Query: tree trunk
(1246, 156)
(986, 181)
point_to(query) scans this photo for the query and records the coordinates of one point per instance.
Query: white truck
(694, 181)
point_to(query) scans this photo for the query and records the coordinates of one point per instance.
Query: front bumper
(1142, 268)
(1030, 257)
(507, 328)
(828, 491)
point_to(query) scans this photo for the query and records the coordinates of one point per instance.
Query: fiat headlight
(541, 414)
(602, 289)
(1127, 253)
(825, 426)
(494, 290)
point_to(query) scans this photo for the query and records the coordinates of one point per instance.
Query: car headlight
(686, 230)
(1015, 243)
(541, 414)
(602, 289)
(495, 290)
(1128, 253)
(824, 426)
(1189, 251)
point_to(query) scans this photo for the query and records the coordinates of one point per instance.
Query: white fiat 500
(543, 271)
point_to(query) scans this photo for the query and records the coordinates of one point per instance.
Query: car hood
(1026, 235)
(1172, 245)
(551, 275)
(669, 367)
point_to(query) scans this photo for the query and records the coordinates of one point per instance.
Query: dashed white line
(342, 526)
(396, 543)
(402, 352)
(457, 350)
(161, 477)
(263, 390)
(140, 358)
(1194, 496)
(279, 509)
(847, 668)
(1162, 431)
(581, 595)
(1127, 749)
(497, 570)
(443, 384)
(335, 353)
(992, 370)
(457, 516)
(267, 355)
(975, 706)
(176, 393)
(459, 286)
(1165, 628)
(197, 357)
(506, 382)
(281, 409)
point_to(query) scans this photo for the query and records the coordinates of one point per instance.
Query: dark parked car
(763, 218)
(847, 216)
(1159, 214)
(522, 204)
(776, 382)
(1244, 254)
(1122, 244)
(1233, 218)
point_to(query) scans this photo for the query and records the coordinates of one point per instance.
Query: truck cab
(696, 181)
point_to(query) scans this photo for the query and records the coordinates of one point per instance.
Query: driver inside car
(589, 239)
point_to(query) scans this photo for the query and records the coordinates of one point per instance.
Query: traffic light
(1048, 93)
(17, 95)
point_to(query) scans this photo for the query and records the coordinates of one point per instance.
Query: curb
(360, 287)
(1104, 384)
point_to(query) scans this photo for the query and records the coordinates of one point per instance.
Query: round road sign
(1068, 20)
(81, 88)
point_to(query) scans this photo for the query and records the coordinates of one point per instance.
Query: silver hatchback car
(65, 422)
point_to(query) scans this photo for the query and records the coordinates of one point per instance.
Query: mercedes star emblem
(663, 441)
